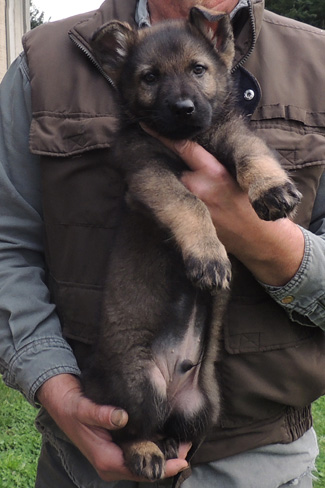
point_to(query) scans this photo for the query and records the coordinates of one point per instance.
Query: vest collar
(126, 10)
(81, 33)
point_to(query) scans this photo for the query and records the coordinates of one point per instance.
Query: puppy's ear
(111, 44)
(216, 26)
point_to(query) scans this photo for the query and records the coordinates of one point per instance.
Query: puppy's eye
(150, 78)
(199, 70)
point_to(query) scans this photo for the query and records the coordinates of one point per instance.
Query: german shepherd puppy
(168, 271)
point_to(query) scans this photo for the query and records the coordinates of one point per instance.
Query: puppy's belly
(175, 369)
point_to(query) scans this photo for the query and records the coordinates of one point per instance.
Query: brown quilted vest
(267, 377)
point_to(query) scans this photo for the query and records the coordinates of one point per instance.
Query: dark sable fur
(167, 259)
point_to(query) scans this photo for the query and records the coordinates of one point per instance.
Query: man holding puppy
(272, 364)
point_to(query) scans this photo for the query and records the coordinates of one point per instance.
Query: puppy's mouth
(180, 132)
(172, 125)
(177, 130)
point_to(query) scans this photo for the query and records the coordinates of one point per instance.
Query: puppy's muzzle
(182, 108)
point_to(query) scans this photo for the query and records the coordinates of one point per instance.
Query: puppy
(168, 272)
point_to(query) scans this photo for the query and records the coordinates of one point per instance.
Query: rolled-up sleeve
(303, 297)
(32, 348)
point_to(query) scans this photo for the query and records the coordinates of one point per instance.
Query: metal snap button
(249, 95)
(287, 300)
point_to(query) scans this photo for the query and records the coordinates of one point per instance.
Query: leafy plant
(36, 16)
(308, 11)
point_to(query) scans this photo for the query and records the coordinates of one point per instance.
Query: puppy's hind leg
(147, 459)
(144, 459)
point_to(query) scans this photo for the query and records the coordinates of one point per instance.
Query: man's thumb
(105, 416)
(119, 418)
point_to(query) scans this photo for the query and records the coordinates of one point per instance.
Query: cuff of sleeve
(36, 363)
(303, 297)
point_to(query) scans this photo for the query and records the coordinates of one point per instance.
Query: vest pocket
(260, 325)
(296, 135)
(78, 307)
(254, 322)
(267, 362)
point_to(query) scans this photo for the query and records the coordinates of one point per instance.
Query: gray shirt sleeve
(31, 345)
(303, 297)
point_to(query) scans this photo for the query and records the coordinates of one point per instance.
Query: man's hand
(87, 425)
(272, 251)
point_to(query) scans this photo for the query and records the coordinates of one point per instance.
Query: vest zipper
(110, 81)
(247, 55)
(92, 59)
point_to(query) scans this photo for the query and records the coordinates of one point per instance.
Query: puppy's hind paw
(144, 459)
(277, 202)
(169, 447)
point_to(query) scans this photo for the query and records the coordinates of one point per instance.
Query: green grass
(20, 441)
(319, 424)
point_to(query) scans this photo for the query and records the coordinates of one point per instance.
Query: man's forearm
(272, 251)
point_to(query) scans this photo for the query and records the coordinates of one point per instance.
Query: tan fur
(187, 218)
(140, 454)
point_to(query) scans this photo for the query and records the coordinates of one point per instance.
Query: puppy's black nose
(183, 108)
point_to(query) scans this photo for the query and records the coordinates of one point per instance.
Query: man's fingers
(174, 466)
(107, 417)
(194, 155)
(118, 418)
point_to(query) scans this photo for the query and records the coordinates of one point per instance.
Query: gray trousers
(61, 465)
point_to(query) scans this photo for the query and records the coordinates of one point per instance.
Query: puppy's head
(173, 76)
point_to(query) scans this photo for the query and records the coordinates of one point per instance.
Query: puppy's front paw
(209, 273)
(277, 202)
(144, 459)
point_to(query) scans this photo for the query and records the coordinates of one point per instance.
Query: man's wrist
(274, 252)
(55, 388)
